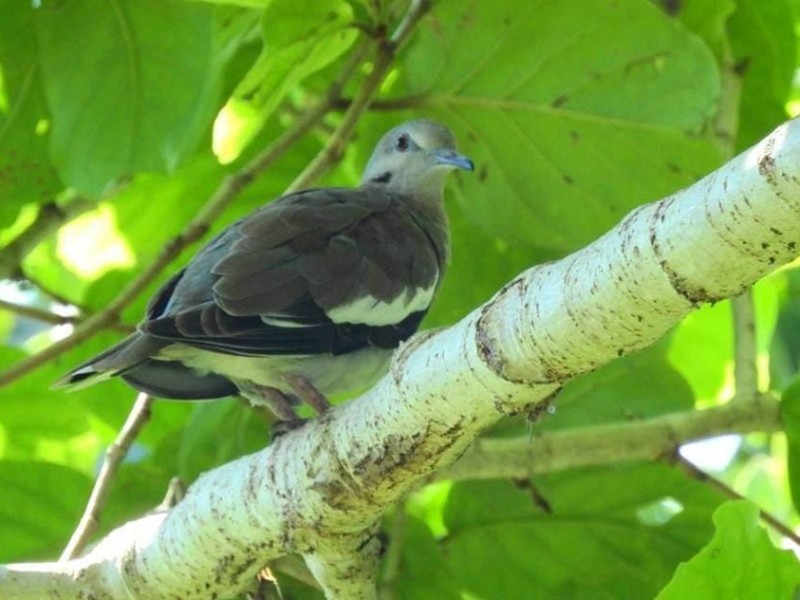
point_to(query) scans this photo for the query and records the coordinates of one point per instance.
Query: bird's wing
(328, 270)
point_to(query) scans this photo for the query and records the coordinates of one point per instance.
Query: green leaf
(113, 107)
(765, 48)
(738, 562)
(790, 417)
(573, 132)
(708, 19)
(242, 3)
(31, 421)
(41, 505)
(219, 432)
(26, 173)
(615, 532)
(702, 349)
(785, 344)
(622, 390)
(422, 573)
(296, 45)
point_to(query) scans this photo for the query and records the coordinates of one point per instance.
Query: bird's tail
(127, 354)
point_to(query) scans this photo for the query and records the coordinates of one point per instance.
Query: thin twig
(52, 318)
(695, 472)
(51, 216)
(114, 455)
(386, 49)
(745, 350)
(27, 281)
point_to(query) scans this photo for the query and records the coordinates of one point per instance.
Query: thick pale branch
(318, 488)
(708, 242)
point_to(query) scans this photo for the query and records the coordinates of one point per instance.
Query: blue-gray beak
(453, 159)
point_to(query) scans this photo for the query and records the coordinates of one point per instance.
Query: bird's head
(414, 158)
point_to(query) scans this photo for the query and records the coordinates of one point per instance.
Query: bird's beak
(453, 159)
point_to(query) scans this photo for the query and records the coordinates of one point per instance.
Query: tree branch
(650, 439)
(52, 318)
(51, 216)
(695, 472)
(320, 490)
(90, 520)
(385, 53)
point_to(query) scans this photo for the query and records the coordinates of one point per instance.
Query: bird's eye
(402, 143)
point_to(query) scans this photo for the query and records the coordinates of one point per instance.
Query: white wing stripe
(371, 311)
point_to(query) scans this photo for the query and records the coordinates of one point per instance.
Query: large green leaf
(217, 433)
(41, 505)
(622, 390)
(35, 423)
(300, 38)
(765, 47)
(738, 562)
(568, 131)
(25, 170)
(421, 571)
(613, 532)
(706, 18)
(114, 107)
(790, 415)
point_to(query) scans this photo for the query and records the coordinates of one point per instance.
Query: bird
(307, 296)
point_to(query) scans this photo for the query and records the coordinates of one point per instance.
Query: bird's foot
(282, 405)
(280, 428)
(308, 393)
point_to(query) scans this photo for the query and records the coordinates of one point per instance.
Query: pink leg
(308, 393)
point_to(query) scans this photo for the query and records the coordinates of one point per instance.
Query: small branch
(51, 216)
(651, 439)
(27, 281)
(52, 318)
(385, 53)
(695, 472)
(416, 10)
(745, 350)
(115, 453)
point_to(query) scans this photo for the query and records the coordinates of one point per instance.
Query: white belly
(330, 375)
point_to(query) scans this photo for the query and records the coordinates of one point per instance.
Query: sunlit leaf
(295, 47)
(572, 132)
(738, 562)
(25, 170)
(765, 48)
(610, 533)
(41, 504)
(111, 107)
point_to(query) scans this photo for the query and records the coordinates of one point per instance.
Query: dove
(307, 296)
